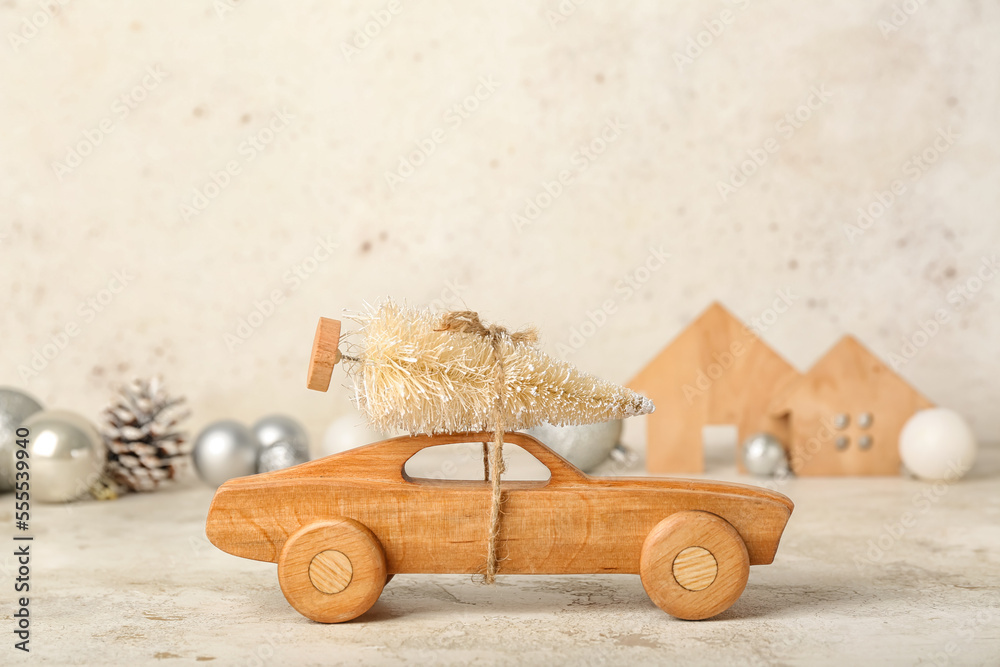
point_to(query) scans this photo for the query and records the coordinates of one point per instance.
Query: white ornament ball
(937, 444)
(224, 450)
(66, 455)
(583, 445)
(346, 433)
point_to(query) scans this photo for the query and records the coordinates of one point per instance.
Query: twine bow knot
(467, 321)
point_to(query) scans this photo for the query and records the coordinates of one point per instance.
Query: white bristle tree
(427, 372)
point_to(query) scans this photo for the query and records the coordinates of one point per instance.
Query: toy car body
(352, 520)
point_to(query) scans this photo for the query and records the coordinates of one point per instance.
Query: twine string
(467, 321)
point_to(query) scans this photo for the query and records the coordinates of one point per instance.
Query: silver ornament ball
(67, 455)
(279, 456)
(584, 445)
(15, 407)
(764, 456)
(223, 450)
(281, 428)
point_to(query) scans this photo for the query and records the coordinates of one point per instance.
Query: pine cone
(144, 443)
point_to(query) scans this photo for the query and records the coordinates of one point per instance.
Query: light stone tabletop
(135, 582)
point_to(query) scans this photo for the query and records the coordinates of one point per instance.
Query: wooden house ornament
(844, 415)
(715, 372)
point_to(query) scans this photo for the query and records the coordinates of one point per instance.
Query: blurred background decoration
(186, 187)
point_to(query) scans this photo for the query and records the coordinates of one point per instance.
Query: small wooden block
(325, 354)
(846, 413)
(715, 372)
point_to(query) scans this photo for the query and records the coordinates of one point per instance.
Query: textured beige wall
(201, 158)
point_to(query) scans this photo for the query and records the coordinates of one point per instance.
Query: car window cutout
(463, 462)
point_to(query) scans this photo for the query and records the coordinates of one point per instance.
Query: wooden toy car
(341, 526)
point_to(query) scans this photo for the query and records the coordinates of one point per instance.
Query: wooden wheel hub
(695, 568)
(694, 565)
(330, 571)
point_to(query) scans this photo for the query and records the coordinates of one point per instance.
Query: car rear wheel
(694, 565)
(332, 571)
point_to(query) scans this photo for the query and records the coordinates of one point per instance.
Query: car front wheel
(332, 571)
(694, 565)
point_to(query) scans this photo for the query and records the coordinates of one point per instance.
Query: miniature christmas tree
(432, 373)
(427, 373)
